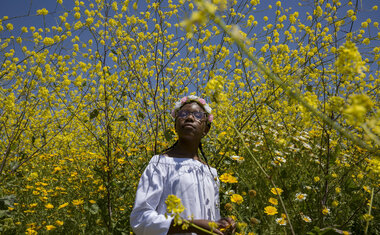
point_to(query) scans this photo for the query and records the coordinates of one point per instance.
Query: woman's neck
(185, 149)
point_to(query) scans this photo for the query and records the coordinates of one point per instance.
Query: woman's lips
(188, 125)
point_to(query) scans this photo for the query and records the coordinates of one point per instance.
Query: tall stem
(369, 211)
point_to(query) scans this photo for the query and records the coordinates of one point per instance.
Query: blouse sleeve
(144, 218)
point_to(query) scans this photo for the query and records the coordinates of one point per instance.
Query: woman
(179, 171)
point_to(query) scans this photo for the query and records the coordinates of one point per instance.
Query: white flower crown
(188, 99)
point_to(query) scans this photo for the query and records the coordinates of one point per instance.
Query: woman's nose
(190, 115)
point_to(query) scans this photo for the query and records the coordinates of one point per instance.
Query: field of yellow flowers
(86, 89)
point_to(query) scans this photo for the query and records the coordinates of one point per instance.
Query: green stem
(199, 228)
(369, 211)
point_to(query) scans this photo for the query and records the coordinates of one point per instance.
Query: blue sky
(22, 8)
(23, 13)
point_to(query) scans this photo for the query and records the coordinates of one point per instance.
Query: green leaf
(324, 231)
(141, 115)
(7, 201)
(94, 113)
(94, 209)
(168, 134)
(122, 118)
(309, 88)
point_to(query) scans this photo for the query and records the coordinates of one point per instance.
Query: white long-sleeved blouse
(193, 182)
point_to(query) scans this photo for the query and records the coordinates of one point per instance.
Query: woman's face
(190, 127)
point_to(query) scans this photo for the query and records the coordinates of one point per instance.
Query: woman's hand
(227, 225)
(204, 224)
(224, 226)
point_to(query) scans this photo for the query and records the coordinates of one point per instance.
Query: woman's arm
(144, 219)
(226, 224)
(200, 223)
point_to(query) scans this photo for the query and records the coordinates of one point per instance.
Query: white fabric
(188, 179)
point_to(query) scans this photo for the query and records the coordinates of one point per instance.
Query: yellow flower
(31, 231)
(92, 201)
(212, 225)
(228, 178)
(59, 223)
(42, 11)
(50, 227)
(10, 26)
(121, 160)
(276, 190)
(48, 41)
(325, 211)
(316, 179)
(359, 105)
(273, 201)
(367, 217)
(270, 210)
(34, 175)
(49, 206)
(174, 204)
(349, 60)
(63, 205)
(78, 202)
(236, 198)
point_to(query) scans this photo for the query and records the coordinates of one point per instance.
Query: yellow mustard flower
(174, 204)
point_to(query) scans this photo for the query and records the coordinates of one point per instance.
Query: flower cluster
(236, 198)
(191, 98)
(228, 178)
(175, 207)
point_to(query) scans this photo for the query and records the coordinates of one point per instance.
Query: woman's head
(192, 118)
(192, 98)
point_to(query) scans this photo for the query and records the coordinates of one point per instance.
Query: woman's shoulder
(167, 162)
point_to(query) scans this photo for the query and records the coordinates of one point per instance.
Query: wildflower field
(86, 90)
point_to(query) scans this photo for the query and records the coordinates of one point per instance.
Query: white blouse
(188, 179)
